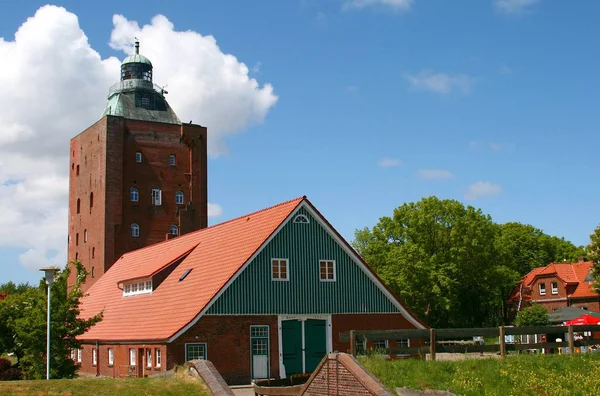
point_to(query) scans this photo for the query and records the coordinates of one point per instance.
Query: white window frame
(94, 356)
(137, 287)
(172, 228)
(148, 357)
(156, 196)
(73, 354)
(196, 343)
(179, 197)
(138, 156)
(326, 261)
(135, 230)
(79, 356)
(111, 357)
(542, 289)
(132, 360)
(554, 289)
(134, 194)
(157, 357)
(287, 269)
(172, 159)
(301, 219)
(386, 344)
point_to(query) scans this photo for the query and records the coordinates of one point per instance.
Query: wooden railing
(432, 341)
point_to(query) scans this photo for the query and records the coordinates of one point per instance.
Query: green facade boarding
(304, 245)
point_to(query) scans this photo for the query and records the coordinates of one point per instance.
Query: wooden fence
(453, 340)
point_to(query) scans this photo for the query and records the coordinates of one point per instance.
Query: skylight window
(185, 274)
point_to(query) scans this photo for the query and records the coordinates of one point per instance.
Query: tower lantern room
(136, 66)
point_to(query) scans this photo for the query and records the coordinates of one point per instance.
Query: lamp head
(49, 274)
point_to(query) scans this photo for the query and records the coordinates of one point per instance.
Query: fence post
(353, 343)
(502, 341)
(571, 340)
(432, 343)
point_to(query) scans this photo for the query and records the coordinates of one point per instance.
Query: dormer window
(554, 287)
(542, 289)
(137, 287)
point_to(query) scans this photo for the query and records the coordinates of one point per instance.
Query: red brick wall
(105, 154)
(347, 322)
(227, 341)
(121, 360)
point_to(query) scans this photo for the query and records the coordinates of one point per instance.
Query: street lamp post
(49, 275)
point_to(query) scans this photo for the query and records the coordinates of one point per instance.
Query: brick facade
(121, 367)
(103, 163)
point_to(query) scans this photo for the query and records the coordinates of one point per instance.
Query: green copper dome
(137, 58)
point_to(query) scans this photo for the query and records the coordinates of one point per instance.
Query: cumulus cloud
(434, 174)
(441, 83)
(388, 162)
(514, 6)
(55, 85)
(214, 210)
(482, 189)
(396, 5)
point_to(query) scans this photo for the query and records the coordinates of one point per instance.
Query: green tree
(536, 315)
(23, 316)
(593, 254)
(439, 257)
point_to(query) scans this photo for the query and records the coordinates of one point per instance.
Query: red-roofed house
(558, 285)
(261, 296)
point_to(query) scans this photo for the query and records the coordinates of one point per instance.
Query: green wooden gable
(304, 245)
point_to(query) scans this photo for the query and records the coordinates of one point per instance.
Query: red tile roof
(569, 273)
(214, 255)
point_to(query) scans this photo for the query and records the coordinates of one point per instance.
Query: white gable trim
(235, 276)
(358, 261)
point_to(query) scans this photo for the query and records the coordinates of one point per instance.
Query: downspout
(97, 358)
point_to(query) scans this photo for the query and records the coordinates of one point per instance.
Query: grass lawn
(516, 375)
(105, 386)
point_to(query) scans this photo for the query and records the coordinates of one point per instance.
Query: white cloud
(389, 162)
(214, 210)
(441, 83)
(396, 5)
(54, 85)
(434, 174)
(482, 189)
(514, 6)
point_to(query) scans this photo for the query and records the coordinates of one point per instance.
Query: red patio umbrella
(586, 319)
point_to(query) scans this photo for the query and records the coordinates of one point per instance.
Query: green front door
(291, 333)
(315, 332)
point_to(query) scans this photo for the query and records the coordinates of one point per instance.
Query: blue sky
(385, 102)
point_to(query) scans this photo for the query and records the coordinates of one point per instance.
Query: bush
(5, 364)
(7, 372)
(536, 315)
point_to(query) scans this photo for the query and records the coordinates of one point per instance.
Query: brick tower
(137, 176)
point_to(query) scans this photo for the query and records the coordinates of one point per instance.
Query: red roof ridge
(300, 199)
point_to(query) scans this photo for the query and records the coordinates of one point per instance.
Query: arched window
(156, 196)
(301, 219)
(179, 197)
(91, 200)
(135, 230)
(78, 205)
(135, 194)
(174, 230)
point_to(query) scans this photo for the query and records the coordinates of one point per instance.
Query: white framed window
(79, 356)
(156, 196)
(134, 194)
(327, 270)
(280, 270)
(195, 351)
(94, 357)
(132, 357)
(135, 230)
(138, 287)
(179, 197)
(138, 157)
(148, 357)
(542, 289)
(111, 356)
(172, 160)
(380, 344)
(301, 219)
(157, 357)
(174, 230)
(403, 343)
(554, 287)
